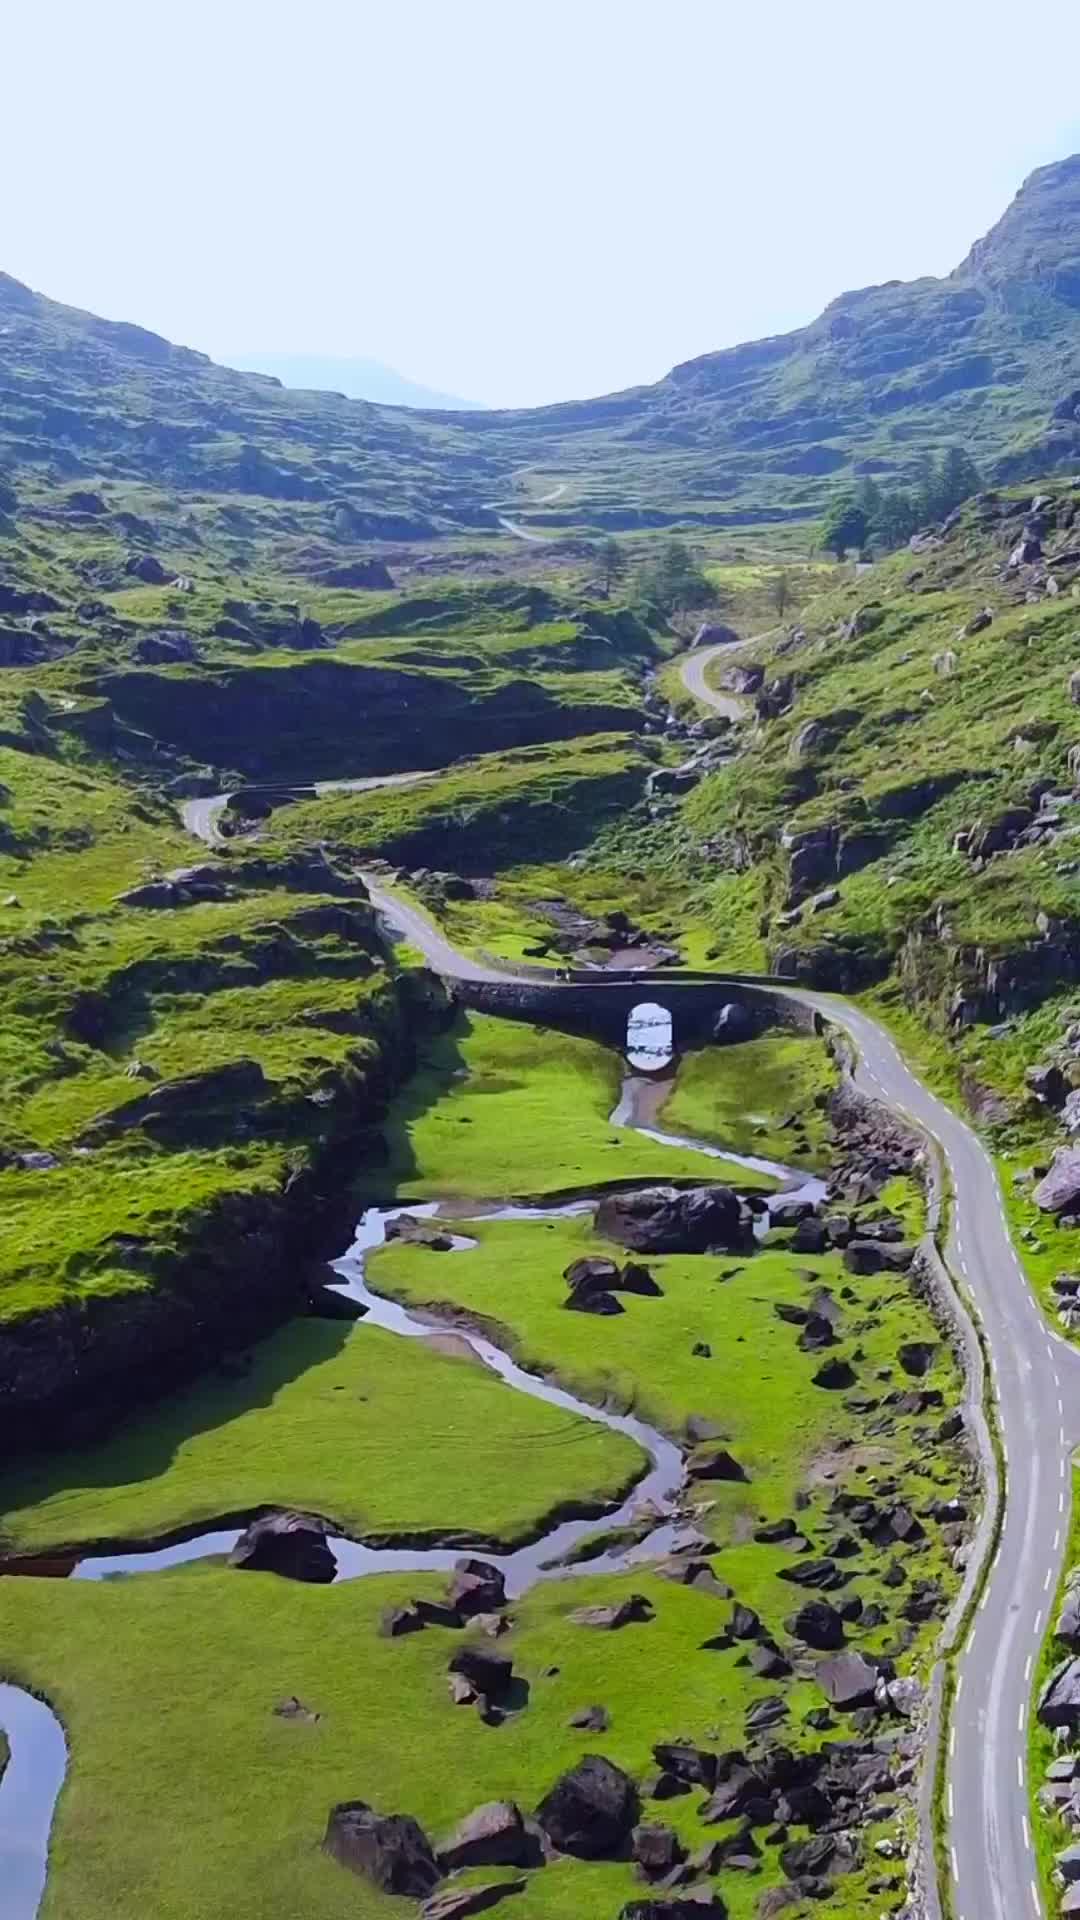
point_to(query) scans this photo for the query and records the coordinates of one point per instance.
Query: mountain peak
(1037, 237)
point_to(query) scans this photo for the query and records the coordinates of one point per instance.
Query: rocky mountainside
(988, 357)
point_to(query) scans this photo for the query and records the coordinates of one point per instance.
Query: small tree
(781, 591)
(897, 518)
(844, 526)
(612, 561)
(674, 582)
(927, 491)
(958, 480)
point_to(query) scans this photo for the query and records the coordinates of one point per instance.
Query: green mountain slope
(757, 432)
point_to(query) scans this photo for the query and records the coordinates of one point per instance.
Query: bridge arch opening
(650, 1038)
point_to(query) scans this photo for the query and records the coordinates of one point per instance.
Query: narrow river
(35, 1773)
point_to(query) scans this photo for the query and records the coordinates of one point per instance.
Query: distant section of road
(203, 817)
(694, 666)
(1036, 1381)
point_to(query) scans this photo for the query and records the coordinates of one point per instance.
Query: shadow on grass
(147, 1444)
(440, 1062)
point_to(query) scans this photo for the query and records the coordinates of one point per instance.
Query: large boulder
(591, 1810)
(494, 1835)
(848, 1680)
(488, 1672)
(291, 1544)
(656, 1850)
(593, 1276)
(391, 1850)
(1068, 1623)
(476, 1587)
(1059, 1190)
(818, 1625)
(670, 1220)
(1059, 1702)
(715, 1463)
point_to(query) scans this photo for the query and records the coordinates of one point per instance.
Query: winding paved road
(694, 667)
(1036, 1382)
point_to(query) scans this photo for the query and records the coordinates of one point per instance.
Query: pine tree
(958, 480)
(612, 561)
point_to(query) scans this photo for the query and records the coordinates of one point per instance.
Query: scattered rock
(715, 1463)
(835, 1374)
(635, 1608)
(847, 1681)
(476, 1587)
(391, 1850)
(818, 1625)
(655, 1850)
(1059, 1190)
(591, 1719)
(487, 1672)
(591, 1809)
(1059, 1702)
(693, 1765)
(291, 1544)
(917, 1357)
(294, 1709)
(494, 1835)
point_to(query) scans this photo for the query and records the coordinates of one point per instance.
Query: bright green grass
(482, 813)
(748, 1096)
(61, 1227)
(188, 1797)
(500, 1108)
(757, 1386)
(378, 1433)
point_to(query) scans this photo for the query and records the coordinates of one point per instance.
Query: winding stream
(34, 1776)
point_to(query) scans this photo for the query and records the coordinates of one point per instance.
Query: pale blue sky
(513, 203)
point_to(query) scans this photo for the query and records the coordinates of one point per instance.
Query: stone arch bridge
(704, 1008)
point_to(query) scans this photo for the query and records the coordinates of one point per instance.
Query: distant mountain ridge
(356, 378)
(988, 357)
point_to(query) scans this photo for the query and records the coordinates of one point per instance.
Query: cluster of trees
(671, 580)
(877, 519)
